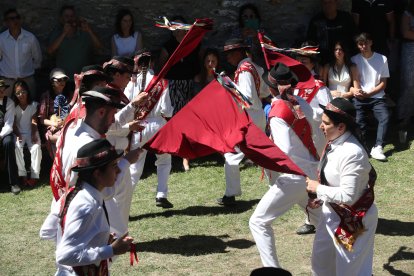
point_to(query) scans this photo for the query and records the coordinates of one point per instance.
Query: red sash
(308, 93)
(153, 97)
(291, 113)
(57, 181)
(351, 225)
(246, 66)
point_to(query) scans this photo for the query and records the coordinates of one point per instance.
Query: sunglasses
(20, 93)
(11, 18)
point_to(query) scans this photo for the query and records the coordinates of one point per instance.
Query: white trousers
(232, 160)
(232, 172)
(163, 162)
(287, 191)
(35, 156)
(331, 258)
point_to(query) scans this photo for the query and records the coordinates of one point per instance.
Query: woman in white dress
(340, 75)
(344, 239)
(126, 41)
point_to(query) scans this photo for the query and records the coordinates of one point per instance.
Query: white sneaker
(376, 153)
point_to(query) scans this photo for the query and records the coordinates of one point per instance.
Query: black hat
(3, 84)
(142, 58)
(106, 95)
(95, 154)
(234, 43)
(341, 109)
(280, 74)
(123, 64)
(94, 71)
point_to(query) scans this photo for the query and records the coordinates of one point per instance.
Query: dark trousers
(380, 109)
(9, 144)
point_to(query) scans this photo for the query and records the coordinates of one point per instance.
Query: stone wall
(284, 20)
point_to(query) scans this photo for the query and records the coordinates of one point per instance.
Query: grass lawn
(198, 237)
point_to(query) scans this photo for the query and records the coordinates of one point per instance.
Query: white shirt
(286, 139)
(86, 232)
(19, 57)
(340, 81)
(24, 118)
(8, 118)
(346, 171)
(371, 71)
(126, 46)
(247, 86)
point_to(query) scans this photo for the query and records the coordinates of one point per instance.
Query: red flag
(272, 56)
(186, 46)
(213, 122)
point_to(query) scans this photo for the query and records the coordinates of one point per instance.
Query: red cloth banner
(213, 122)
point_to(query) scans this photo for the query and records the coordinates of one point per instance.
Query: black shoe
(227, 201)
(163, 202)
(15, 189)
(306, 229)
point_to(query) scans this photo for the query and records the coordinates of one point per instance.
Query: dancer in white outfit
(155, 120)
(286, 189)
(344, 240)
(247, 78)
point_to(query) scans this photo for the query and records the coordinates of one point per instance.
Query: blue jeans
(380, 109)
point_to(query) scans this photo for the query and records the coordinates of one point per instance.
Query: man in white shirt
(373, 74)
(247, 78)
(20, 53)
(7, 139)
(295, 132)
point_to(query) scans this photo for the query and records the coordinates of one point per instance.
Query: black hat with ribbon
(105, 95)
(342, 110)
(95, 154)
(117, 63)
(235, 44)
(3, 84)
(280, 74)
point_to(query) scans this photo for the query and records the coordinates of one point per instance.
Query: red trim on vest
(247, 66)
(309, 93)
(290, 112)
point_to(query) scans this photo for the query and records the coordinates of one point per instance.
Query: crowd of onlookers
(354, 69)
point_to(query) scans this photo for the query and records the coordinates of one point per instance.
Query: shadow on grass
(403, 253)
(395, 227)
(193, 245)
(241, 207)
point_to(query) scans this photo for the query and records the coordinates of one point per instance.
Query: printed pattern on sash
(248, 67)
(292, 114)
(309, 93)
(351, 217)
(153, 97)
(57, 181)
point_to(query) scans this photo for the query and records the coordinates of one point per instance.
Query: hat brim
(345, 119)
(293, 80)
(98, 165)
(265, 78)
(112, 104)
(6, 86)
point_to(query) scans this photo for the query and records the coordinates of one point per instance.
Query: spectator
(126, 41)
(49, 119)
(7, 138)
(376, 17)
(340, 74)
(16, 41)
(25, 129)
(72, 42)
(406, 98)
(329, 26)
(373, 74)
(210, 62)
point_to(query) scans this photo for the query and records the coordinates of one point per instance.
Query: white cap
(58, 73)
